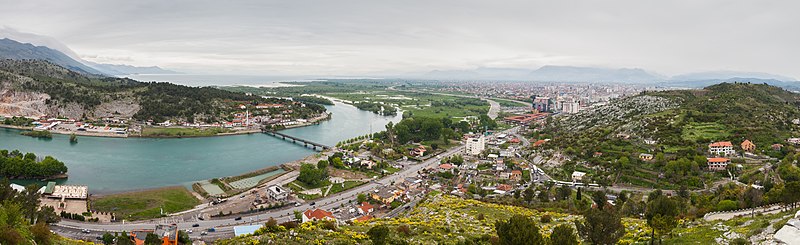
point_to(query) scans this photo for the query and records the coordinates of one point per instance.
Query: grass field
(146, 204)
(181, 132)
(705, 131)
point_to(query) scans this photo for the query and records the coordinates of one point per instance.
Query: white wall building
(277, 193)
(475, 145)
(721, 148)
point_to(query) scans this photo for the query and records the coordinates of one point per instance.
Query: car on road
(297, 204)
(203, 233)
(211, 229)
(196, 225)
(86, 231)
(238, 218)
(312, 203)
(189, 231)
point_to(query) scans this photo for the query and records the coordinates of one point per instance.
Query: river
(110, 165)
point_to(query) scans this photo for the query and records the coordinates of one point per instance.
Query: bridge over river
(296, 140)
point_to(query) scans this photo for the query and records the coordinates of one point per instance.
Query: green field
(705, 131)
(146, 204)
(182, 132)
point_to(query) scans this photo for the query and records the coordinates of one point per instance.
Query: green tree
(518, 229)
(183, 237)
(298, 216)
(41, 233)
(791, 194)
(108, 239)
(564, 235)
(601, 225)
(661, 215)
(152, 239)
(378, 234)
(361, 198)
(322, 164)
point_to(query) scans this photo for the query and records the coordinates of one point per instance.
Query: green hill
(37, 88)
(673, 125)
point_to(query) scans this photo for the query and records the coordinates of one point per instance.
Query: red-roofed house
(504, 187)
(445, 167)
(718, 163)
(721, 148)
(539, 143)
(748, 146)
(365, 208)
(364, 218)
(317, 214)
(516, 175)
(419, 151)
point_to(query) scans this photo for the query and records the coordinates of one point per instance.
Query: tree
(661, 216)
(322, 164)
(41, 233)
(152, 239)
(528, 194)
(518, 229)
(564, 235)
(791, 194)
(108, 239)
(361, 198)
(563, 193)
(378, 234)
(183, 237)
(311, 175)
(124, 239)
(578, 194)
(298, 216)
(601, 225)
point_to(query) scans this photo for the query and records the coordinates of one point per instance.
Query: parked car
(312, 203)
(238, 218)
(196, 225)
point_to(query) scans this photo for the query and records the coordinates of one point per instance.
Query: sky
(374, 38)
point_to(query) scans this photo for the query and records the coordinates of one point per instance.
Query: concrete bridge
(306, 143)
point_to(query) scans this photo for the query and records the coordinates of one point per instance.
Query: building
(722, 148)
(777, 147)
(365, 208)
(66, 191)
(445, 167)
(570, 107)
(386, 195)
(167, 233)
(718, 163)
(277, 193)
(646, 157)
(525, 119)
(577, 176)
(317, 214)
(541, 104)
(516, 175)
(475, 145)
(539, 143)
(419, 151)
(794, 141)
(412, 183)
(748, 146)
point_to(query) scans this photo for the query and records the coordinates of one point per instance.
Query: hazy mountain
(592, 74)
(482, 73)
(112, 69)
(722, 75)
(54, 44)
(10, 49)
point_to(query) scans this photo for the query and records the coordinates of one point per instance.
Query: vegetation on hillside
(21, 219)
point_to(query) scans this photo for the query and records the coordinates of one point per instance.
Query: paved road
(494, 108)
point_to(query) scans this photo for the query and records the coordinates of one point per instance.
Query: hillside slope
(38, 88)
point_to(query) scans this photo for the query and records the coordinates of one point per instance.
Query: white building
(277, 193)
(475, 145)
(721, 148)
(570, 107)
(577, 176)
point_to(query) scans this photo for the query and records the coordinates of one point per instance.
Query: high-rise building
(475, 145)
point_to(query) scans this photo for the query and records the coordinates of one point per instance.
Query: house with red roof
(722, 148)
(748, 146)
(516, 175)
(365, 208)
(718, 163)
(317, 214)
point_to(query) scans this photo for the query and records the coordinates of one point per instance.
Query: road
(494, 108)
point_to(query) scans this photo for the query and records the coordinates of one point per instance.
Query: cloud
(357, 37)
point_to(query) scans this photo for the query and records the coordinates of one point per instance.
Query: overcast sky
(373, 37)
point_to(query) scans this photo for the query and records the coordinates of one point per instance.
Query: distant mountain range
(624, 75)
(20, 46)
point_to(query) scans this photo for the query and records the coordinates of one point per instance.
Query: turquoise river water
(110, 165)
